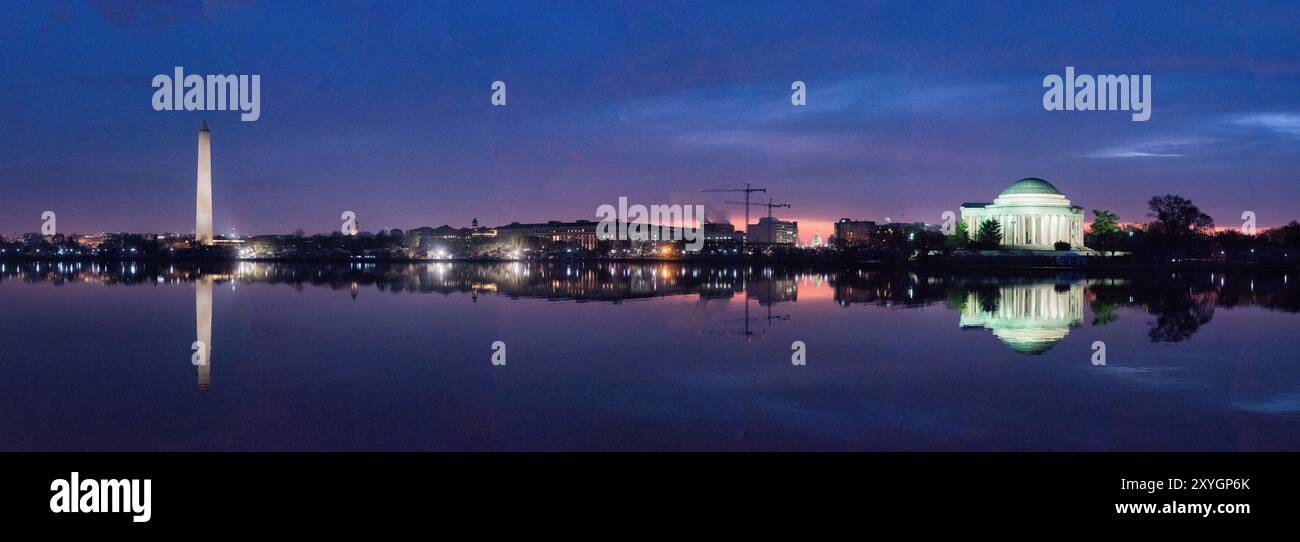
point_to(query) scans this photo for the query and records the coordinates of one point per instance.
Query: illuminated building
(581, 233)
(774, 231)
(1034, 215)
(850, 233)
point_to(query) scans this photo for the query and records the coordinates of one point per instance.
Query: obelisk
(203, 207)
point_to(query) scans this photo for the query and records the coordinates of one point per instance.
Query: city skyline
(903, 120)
(1044, 230)
(356, 250)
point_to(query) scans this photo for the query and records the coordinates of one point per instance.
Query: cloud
(751, 105)
(1287, 124)
(1231, 133)
(1120, 152)
(967, 98)
(1282, 403)
(1167, 147)
(843, 118)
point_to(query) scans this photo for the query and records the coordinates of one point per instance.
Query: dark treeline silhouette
(1179, 231)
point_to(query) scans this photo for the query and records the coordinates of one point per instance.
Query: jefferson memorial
(1034, 215)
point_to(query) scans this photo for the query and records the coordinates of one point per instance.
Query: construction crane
(746, 331)
(748, 189)
(770, 234)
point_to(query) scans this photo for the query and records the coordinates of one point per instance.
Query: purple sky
(913, 108)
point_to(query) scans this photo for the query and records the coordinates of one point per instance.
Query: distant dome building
(1034, 215)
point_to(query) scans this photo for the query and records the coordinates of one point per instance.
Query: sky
(384, 109)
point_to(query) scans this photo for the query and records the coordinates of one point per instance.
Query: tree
(1178, 230)
(990, 234)
(1286, 237)
(925, 241)
(960, 236)
(1104, 222)
(1177, 217)
(1230, 244)
(1105, 230)
(1104, 312)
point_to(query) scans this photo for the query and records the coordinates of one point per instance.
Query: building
(721, 232)
(581, 233)
(770, 230)
(850, 233)
(1034, 215)
(203, 200)
(722, 238)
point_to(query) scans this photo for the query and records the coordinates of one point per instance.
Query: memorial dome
(1031, 185)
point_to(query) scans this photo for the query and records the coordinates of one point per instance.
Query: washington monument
(203, 202)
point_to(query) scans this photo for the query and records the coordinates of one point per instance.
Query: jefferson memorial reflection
(1028, 318)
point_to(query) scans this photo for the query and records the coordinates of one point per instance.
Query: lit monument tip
(203, 203)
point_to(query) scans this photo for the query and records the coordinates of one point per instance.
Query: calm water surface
(641, 357)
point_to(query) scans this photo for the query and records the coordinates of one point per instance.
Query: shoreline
(988, 263)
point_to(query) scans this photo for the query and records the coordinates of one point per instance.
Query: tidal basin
(625, 356)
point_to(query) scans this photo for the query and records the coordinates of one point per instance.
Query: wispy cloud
(1169, 147)
(1119, 152)
(841, 118)
(1220, 134)
(747, 106)
(1282, 403)
(1281, 123)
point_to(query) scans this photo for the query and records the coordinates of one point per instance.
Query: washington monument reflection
(203, 322)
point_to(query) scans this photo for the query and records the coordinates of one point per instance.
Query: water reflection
(642, 356)
(1029, 318)
(202, 358)
(1029, 313)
